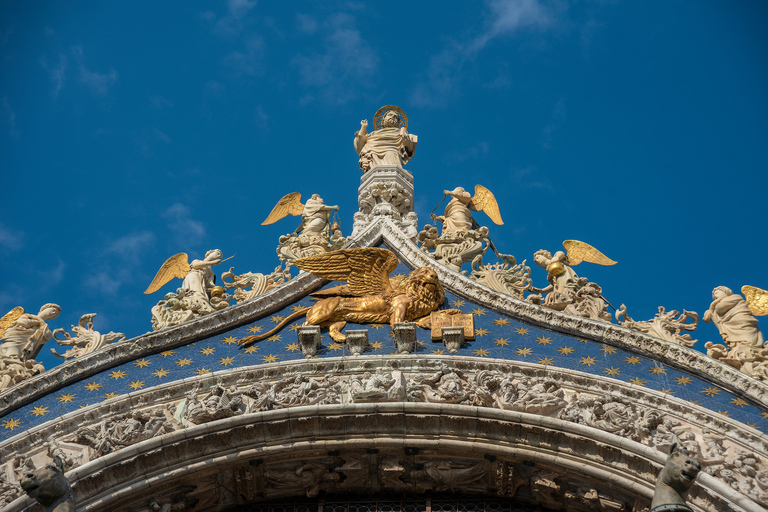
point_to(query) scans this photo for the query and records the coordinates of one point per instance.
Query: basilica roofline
(383, 231)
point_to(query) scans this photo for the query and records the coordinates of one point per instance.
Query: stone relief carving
(377, 387)
(307, 476)
(258, 283)
(544, 397)
(178, 499)
(507, 276)
(445, 386)
(664, 325)
(443, 475)
(124, 430)
(219, 403)
(612, 414)
(86, 340)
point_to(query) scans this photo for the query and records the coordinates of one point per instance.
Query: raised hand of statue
(363, 126)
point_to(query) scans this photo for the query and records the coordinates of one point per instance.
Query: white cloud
(249, 60)
(236, 18)
(306, 23)
(344, 65)
(261, 118)
(53, 276)
(10, 240)
(100, 83)
(118, 262)
(160, 102)
(188, 231)
(56, 73)
(471, 153)
(503, 18)
(131, 247)
(8, 118)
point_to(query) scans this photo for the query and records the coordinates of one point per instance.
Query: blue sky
(130, 131)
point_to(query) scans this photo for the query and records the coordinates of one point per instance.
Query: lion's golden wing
(289, 204)
(175, 266)
(485, 201)
(582, 251)
(9, 318)
(365, 269)
(757, 299)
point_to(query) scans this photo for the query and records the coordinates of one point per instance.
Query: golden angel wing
(485, 201)
(175, 266)
(9, 318)
(757, 299)
(289, 204)
(365, 269)
(582, 251)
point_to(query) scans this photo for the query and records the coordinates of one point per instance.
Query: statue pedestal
(386, 191)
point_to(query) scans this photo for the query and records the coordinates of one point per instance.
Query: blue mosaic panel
(497, 336)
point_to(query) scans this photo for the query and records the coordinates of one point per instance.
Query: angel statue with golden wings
(567, 291)
(458, 211)
(198, 294)
(23, 336)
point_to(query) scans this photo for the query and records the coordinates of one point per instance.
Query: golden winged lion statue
(370, 295)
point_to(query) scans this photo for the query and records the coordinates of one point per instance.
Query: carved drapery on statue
(23, 336)
(389, 143)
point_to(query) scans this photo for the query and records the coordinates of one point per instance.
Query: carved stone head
(47, 485)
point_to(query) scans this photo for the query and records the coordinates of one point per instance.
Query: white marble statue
(732, 317)
(86, 340)
(27, 333)
(389, 144)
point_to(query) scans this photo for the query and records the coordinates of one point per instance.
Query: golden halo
(383, 110)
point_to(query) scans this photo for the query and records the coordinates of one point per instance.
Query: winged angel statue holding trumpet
(315, 234)
(198, 294)
(370, 295)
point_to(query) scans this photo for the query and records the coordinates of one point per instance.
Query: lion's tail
(248, 340)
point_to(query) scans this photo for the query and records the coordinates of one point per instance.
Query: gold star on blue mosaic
(588, 361)
(136, 384)
(632, 360)
(251, 350)
(185, 361)
(607, 349)
(739, 402)
(207, 351)
(229, 340)
(292, 347)
(160, 373)
(764, 415)
(166, 353)
(638, 381)
(524, 351)
(481, 332)
(710, 391)
(657, 370)
(683, 381)
(612, 372)
(543, 340)
(753, 425)
(276, 319)
(724, 413)
(202, 371)
(276, 337)
(335, 346)
(141, 363)
(117, 374)
(582, 340)
(546, 361)
(565, 351)
(438, 352)
(502, 342)
(501, 322)
(254, 329)
(667, 391)
(296, 307)
(39, 411)
(269, 359)
(376, 345)
(294, 327)
(93, 386)
(481, 352)
(478, 311)
(522, 330)
(11, 424)
(66, 398)
(694, 402)
(226, 361)
(458, 303)
(107, 396)
(377, 326)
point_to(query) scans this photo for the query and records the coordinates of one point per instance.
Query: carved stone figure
(611, 414)
(369, 296)
(25, 333)
(198, 295)
(217, 404)
(49, 487)
(258, 283)
(666, 434)
(543, 398)
(445, 475)
(445, 386)
(507, 277)
(389, 143)
(377, 387)
(124, 430)
(308, 476)
(302, 390)
(674, 480)
(14, 370)
(174, 500)
(86, 340)
(664, 325)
